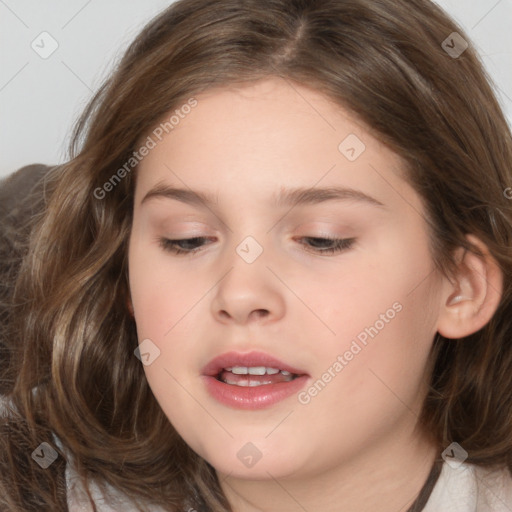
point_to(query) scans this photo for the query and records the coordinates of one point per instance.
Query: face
(335, 286)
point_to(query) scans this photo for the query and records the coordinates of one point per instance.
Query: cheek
(370, 296)
(165, 302)
(162, 301)
(377, 389)
(160, 294)
(383, 317)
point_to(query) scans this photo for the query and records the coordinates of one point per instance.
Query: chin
(254, 461)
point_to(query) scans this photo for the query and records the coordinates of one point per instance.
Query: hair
(69, 335)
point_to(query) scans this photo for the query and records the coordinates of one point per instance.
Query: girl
(274, 275)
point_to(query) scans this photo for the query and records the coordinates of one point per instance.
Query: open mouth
(253, 376)
(253, 380)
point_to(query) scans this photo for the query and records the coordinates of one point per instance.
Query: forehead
(257, 139)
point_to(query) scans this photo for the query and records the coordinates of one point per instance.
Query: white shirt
(471, 488)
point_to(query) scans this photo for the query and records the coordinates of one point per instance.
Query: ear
(472, 297)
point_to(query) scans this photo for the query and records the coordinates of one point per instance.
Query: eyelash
(340, 244)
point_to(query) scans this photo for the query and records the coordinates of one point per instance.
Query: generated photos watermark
(147, 352)
(454, 45)
(151, 142)
(342, 360)
(45, 455)
(454, 455)
(249, 455)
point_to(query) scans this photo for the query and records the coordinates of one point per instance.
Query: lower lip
(257, 397)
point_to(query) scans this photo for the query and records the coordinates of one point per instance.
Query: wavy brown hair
(69, 336)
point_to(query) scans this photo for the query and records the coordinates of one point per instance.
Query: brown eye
(328, 245)
(182, 246)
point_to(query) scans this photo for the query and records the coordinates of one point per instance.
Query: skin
(357, 444)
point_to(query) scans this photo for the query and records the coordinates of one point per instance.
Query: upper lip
(248, 359)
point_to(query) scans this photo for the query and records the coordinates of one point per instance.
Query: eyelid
(340, 245)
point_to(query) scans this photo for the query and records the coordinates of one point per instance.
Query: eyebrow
(286, 196)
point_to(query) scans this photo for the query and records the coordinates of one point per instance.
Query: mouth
(252, 380)
(253, 376)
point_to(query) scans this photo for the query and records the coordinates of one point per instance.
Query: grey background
(41, 98)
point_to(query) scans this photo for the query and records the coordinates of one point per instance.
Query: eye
(183, 246)
(315, 244)
(328, 245)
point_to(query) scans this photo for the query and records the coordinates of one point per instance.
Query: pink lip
(251, 398)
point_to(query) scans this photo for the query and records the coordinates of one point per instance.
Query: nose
(249, 292)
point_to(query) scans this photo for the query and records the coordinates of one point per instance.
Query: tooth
(244, 383)
(228, 369)
(256, 370)
(239, 370)
(284, 372)
(272, 371)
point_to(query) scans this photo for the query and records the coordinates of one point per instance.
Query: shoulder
(494, 489)
(467, 488)
(105, 497)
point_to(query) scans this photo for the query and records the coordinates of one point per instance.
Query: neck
(387, 478)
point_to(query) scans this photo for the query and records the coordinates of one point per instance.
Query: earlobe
(472, 297)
